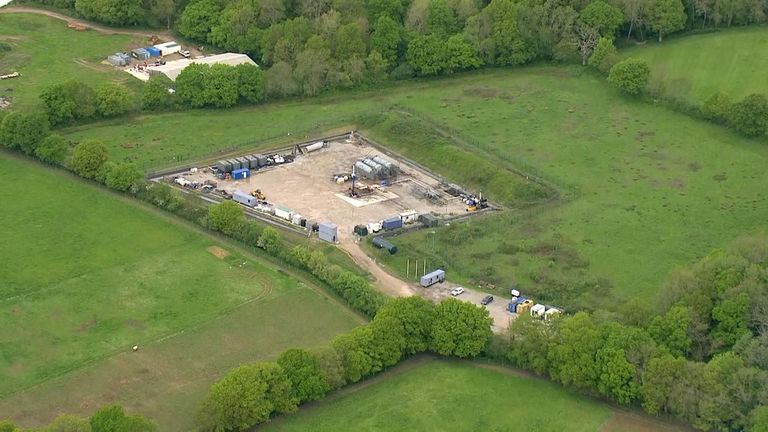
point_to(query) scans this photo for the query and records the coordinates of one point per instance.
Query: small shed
(382, 243)
(241, 174)
(244, 198)
(328, 232)
(429, 220)
(140, 54)
(432, 278)
(153, 52)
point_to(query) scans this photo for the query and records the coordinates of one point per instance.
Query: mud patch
(623, 421)
(87, 326)
(218, 252)
(135, 323)
(677, 183)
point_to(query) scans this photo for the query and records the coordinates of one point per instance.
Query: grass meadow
(44, 51)
(456, 396)
(695, 67)
(86, 275)
(640, 189)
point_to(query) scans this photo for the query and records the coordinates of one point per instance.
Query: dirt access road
(101, 29)
(396, 287)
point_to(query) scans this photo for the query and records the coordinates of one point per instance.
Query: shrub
(630, 75)
(23, 131)
(717, 107)
(750, 115)
(124, 176)
(53, 150)
(88, 158)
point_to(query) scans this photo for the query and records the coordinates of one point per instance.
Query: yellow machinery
(259, 194)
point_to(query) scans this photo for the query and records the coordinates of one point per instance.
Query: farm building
(172, 69)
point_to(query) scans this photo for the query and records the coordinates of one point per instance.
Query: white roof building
(172, 69)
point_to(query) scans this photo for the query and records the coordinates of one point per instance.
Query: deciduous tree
(225, 217)
(416, 315)
(112, 100)
(88, 158)
(53, 150)
(750, 115)
(630, 75)
(24, 131)
(603, 17)
(666, 16)
(460, 329)
(303, 369)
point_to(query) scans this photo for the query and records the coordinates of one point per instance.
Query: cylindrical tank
(364, 170)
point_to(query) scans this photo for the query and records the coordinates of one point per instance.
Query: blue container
(153, 52)
(241, 174)
(392, 223)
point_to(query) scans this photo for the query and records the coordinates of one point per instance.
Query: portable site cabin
(409, 217)
(328, 232)
(392, 223)
(430, 279)
(244, 163)
(168, 48)
(524, 307)
(241, 174)
(244, 198)
(283, 212)
(538, 310)
(119, 59)
(384, 244)
(153, 52)
(361, 230)
(140, 54)
(429, 220)
(552, 313)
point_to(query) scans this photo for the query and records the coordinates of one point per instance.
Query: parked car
(486, 300)
(457, 291)
(185, 53)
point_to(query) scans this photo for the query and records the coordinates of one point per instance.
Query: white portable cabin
(551, 313)
(409, 217)
(432, 278)
(538, 310)
(283, 213)
(167, 48)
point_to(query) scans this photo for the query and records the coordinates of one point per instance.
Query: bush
(88, 158)
(113, 419)
(69, 101)
(156, 95)
(247, 396)
(717, 107)
(604, 56)
(53, 150)
(112, 100)
(23, 131)
(750, 115)
(124, 176)
(630, 75)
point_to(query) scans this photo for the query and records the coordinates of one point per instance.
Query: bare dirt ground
(306, 186)
(396, 287)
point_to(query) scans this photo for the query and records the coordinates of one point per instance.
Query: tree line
(253, 393)
(702, 358)
(106, 419)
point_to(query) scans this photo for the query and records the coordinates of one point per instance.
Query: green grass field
(86, 275)
(46, 52)
(642, 189)
(695, 67)
(452, 396)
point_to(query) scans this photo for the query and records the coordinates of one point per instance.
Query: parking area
(498, 308)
